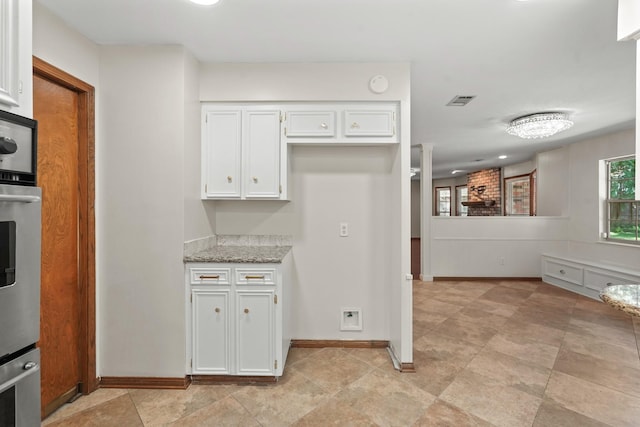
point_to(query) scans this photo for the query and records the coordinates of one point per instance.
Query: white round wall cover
(378, 84)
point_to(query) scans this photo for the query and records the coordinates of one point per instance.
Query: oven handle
(18, 198)
(29, 367)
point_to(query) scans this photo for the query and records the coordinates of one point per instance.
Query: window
(443, 201)
(622, 208)
(462, 195)
(519, 194)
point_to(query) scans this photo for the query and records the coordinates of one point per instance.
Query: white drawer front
(311, 124)
(563, 272)
(255, 276)
(598, 280)
(369, 123)
(210, 276)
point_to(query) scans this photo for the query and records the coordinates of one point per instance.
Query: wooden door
(63, 107)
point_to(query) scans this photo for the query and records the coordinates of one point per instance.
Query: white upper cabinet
(374, 123)
(221, 154)
(311, 124)
(16, 85)
(261, 171)
(241, 153)
(358, 124)
(628, 19)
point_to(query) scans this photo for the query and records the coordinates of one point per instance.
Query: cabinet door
(262, 154)
(222, 143)
(255, 343)
(369, 123)
(211, 332)
(311, 124)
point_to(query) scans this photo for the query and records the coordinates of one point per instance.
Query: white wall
(199, 216)
(141, 283)
(518, 169)
(476, 246)
(495, 246)
(553, 178)
(362, 186)
(59, 45)
(587, 205)
(330, 185)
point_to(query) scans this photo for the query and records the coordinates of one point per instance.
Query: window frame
(531, 178)
(459, 205)
(634, 203)
(436, 204)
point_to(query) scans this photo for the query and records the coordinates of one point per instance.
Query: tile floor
(491, 353)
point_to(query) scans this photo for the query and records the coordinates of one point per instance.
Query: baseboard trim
(339, 343)
(407, 368)
(231, 379)
(146, 382)
(479, 279)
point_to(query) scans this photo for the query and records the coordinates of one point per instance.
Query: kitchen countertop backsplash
(238, 249)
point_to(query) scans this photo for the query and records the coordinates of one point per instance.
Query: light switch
(344, 229)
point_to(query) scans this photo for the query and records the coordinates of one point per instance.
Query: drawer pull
(254, 277)
(355, 125)
(323, 125)
(255, 179)
(229, 179)
(562, 272)
(246, 311)
(204, 277)
(217, 310)
(609, 284)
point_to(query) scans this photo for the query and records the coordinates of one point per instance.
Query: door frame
(86, 217)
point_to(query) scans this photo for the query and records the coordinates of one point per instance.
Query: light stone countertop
(240, 254)
(238, 249)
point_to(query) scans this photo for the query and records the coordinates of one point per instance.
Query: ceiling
(516, 57)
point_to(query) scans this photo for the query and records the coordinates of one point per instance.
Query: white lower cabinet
(584, 277)
(236, 326)
(211, 338)
(255, 339)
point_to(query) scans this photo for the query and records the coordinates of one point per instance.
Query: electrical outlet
(344, 229)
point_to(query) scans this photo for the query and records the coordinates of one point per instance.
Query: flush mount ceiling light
(540, 125)
(205, 2)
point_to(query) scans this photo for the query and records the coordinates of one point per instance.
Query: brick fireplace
(484, 193)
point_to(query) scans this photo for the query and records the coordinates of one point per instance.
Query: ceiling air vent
(460, 100)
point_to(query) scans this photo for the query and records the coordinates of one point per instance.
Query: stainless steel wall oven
(20, 232)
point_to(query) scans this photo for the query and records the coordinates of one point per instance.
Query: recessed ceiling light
(205, 2)
(502, 157)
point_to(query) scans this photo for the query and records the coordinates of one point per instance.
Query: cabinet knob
(246, 310)
(255, 179)
(609, 284)
(562, 272)
(355, 125)
(229, 179)
(217, 310)
(323, 125)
